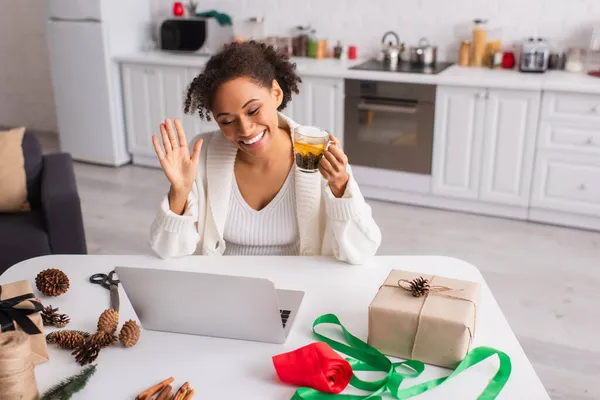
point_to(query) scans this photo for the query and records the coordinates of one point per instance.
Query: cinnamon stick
(181, 392)
(151, 391)
(164, 393)
(189, 395)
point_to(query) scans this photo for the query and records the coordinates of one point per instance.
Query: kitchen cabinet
(151, 94)
(457, 141)
(567, 182)
(155, 92)
(509, 146)
(320, 103)
(566, 178)
(484, 144)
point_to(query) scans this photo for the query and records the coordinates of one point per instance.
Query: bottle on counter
(313, 44)
(352, 54)
(337, 50)
(322, 49)
(464, 56)
(479, 42)
(575, 60)
(300, 42)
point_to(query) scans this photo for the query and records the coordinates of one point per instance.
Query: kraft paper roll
(17, 377)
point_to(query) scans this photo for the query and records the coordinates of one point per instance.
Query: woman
(238, 193)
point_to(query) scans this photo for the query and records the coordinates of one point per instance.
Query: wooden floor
(545, 278)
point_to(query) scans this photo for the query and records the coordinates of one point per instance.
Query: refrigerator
(83, 37)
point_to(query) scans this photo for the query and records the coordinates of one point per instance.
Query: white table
(223, 368)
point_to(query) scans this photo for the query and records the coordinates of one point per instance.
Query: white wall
(26, 96)
(446, 22)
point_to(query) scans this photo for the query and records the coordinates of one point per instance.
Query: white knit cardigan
(329, 226)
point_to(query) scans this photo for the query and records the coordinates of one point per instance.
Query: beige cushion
(13, 181)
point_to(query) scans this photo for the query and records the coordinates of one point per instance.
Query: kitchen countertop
(454, 75)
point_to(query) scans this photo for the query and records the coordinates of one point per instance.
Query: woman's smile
(255, 140)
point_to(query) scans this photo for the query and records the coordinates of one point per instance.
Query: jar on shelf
(464, 56)
(575, 60)
(479, 42)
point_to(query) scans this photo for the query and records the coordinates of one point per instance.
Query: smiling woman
(237, 192)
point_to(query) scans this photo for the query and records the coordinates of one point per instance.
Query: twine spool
(17, 377)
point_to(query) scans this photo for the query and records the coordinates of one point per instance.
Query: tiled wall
(446, 22)
(25, 86)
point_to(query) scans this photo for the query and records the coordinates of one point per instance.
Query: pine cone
(88, 351)
(48, 314)
(52, 282)
(105, 339)
(51, 337)
(66, 339)
(130, 334)
(419, 286)
(108, 321)
(61, 320)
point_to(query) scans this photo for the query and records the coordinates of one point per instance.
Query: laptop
(207, 304)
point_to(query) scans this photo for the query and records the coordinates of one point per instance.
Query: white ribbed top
(270, 231)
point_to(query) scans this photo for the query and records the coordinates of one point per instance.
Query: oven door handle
(387, 108)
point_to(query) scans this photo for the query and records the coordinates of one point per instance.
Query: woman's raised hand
(178, 165)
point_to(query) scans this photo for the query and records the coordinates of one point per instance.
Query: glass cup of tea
(310, 144)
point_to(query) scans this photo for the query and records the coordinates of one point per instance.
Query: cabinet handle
(582, 187)
(589, 141)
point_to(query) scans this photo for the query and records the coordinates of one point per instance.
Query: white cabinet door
(568, 182)
(509, 146)
(137, 93)
(152, 93)
(457, 141)
(320, 103)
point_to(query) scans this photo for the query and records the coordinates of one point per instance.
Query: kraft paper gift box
(437, 328)
(18, 311)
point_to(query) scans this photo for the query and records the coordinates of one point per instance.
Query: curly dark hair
(251, 59)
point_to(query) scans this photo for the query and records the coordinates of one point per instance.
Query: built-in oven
(389, 125)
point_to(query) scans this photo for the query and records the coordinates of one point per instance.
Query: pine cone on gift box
(66, 339)
(130, 334)
(108, 321)
(419, 286)
(105, 339)
(88, 351)
(52, 282)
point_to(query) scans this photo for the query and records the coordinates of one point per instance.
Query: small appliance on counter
(424, 54)
(535, 54)
(193, 35)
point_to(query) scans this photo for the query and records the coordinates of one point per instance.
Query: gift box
(18, 311)
(424, 317)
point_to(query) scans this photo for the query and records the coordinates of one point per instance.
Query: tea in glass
(310, 144)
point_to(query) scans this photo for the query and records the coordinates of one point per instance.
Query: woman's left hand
(333, 167)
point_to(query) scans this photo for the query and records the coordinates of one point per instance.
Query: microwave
(193, 35)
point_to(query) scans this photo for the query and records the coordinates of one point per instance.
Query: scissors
(108, 282)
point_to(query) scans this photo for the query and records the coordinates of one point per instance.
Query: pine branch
(68, 387)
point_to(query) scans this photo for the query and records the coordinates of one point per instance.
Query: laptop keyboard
(285, 314)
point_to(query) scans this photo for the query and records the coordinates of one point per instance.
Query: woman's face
(247, 114)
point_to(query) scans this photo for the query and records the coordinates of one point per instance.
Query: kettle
(390, 53)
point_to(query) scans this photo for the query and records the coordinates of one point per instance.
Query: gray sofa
(55, 224)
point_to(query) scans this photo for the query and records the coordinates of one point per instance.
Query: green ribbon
(367, 358)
